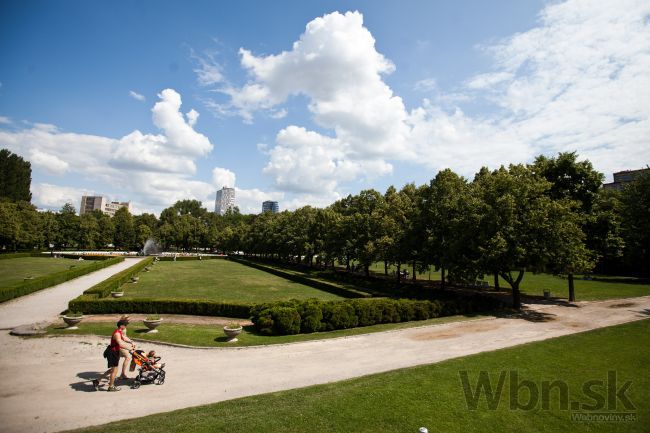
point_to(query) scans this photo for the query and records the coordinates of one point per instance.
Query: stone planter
(117, 294)
(72, 322)
(232, 333)
(547, 294)
(152, 325)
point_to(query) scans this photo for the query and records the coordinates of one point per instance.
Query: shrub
(314, 315)
(339, 315)
(311, 316)
(286, 320)
(92, 304)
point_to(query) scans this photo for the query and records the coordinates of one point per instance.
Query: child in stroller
(150, 369)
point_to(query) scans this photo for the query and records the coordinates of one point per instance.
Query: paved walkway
(48, 303)
(45, 381)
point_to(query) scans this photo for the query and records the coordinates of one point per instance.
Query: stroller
(150, 370)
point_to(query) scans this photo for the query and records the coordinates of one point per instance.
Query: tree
(89, 231)
(124, 236)
(604, 231)
(525, 225)
(15, 177)
(635, 216)
(9, 225)
(68, 223)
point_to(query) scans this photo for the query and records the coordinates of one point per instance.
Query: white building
(90, 203)
(225, 200)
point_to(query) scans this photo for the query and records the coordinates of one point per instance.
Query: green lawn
(432, 396)
(14, 271)
(598, 288)
(220, 280)
(213, 336)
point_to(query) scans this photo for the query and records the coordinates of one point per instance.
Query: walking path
(46, 388)
(48, 303)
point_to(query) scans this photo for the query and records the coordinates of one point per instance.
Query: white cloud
(136, 95)
(54, 197)
(223, 177)
(152, 170)
(50, 163)
(250, 200)
(577, 81)
(426, 85)
(208, 71)
(5, 120)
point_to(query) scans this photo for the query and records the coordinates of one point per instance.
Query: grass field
(14, 271)
(432, 396)
(599, 288)
(213, 336)
(220, 280)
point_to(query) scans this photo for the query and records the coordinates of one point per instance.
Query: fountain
(151, 248)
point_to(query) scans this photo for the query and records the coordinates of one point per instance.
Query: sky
(305, 102)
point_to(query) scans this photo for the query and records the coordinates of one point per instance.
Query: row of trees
(551, 215)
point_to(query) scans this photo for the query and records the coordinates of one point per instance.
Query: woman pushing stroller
(112, 355)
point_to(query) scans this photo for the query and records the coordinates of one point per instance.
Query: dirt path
(45, 384)
(47, 304)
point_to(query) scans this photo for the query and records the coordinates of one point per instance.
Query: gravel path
(47, 304)
(46, 388)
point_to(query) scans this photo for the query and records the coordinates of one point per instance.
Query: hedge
(113, 283)
(320, 285)
(292, 317)
(30, 286)
(90, 304)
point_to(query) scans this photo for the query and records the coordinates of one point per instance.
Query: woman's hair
(122, 322)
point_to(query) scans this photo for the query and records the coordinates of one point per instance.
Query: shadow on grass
(621, 280)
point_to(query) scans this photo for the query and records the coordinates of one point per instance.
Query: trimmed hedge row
(30, 286)
(113, 283)
(185, 258)
(90, 304)
(320, 285)
(293, 317)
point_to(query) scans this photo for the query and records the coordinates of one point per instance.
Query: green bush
(339, 315)
(114, 283)
(286, 320)
(30, 286)
(314, 315)
(20, 255)
(92, 304)
(311, 316)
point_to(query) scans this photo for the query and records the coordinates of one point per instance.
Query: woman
(112, 354)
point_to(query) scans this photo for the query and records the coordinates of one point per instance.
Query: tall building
(225, 200)
(270, 206)
(622, 178)
(90, 203)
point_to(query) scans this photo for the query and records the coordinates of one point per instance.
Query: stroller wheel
(136, 384)
(160, 379)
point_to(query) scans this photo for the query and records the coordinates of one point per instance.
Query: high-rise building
(622, 178)
(270, 206)
(90, 203)
(225, 200)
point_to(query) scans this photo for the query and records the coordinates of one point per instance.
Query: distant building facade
(270, 206)
(225, 200)
(622, 178)
(91, 203)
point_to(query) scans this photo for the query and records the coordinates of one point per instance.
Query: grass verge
(213, 336)
(433, 395)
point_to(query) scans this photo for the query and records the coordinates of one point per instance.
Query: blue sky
(305, 102)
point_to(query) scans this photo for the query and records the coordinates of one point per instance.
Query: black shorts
(113, 358)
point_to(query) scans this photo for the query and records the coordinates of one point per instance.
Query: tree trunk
(572, 293)
(514, 284)
(399, 272)
(496, 281)
(347, 264)
(385, 267)
(366, 268)
(414, 274)
(442, 277)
